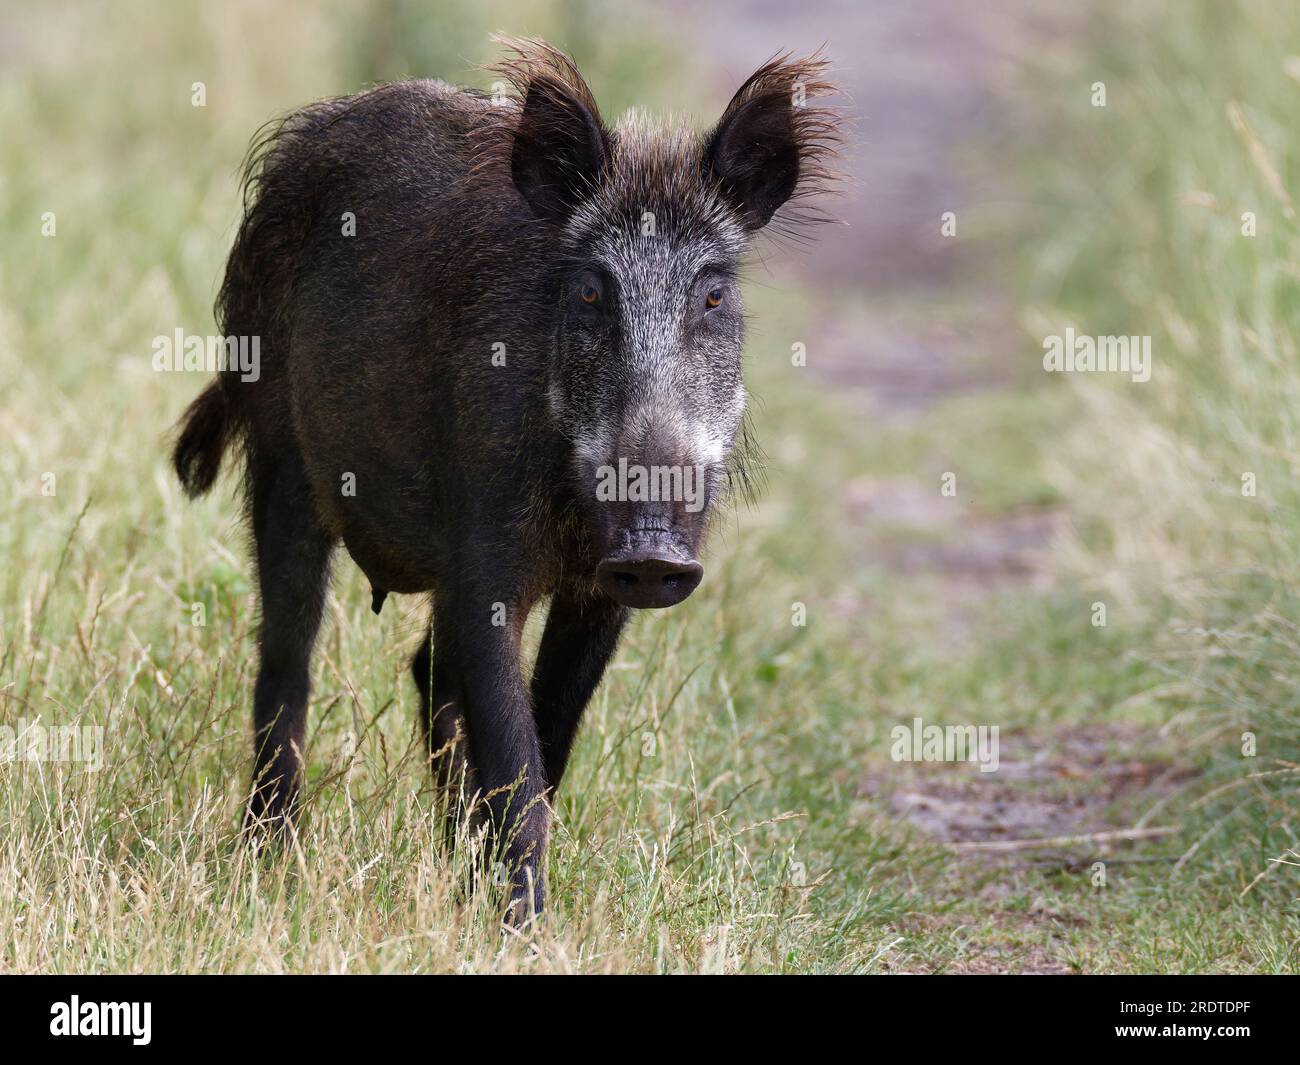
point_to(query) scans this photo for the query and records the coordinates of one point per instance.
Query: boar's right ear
(772, 144)
(559, 144)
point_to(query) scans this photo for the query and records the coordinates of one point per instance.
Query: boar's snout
(651, 485)
(649, 577)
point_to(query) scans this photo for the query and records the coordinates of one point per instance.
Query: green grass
(719, 814)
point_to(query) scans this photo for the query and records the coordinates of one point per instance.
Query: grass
(1193, 516)
(720, 814)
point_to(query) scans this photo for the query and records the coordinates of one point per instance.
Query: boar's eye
(713, 298)
(589, 294)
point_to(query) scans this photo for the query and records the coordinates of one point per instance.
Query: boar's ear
(772, 144)
(559, 144)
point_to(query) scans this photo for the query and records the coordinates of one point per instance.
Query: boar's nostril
(648, 581)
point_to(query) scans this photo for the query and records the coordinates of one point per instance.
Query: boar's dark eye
(589, 295)
(713, 298)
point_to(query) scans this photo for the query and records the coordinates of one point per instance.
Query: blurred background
(733, 804)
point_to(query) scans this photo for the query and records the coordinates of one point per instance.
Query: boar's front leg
(503, 740)
(581, 635)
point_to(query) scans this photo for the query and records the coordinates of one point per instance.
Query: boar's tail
(205, 433)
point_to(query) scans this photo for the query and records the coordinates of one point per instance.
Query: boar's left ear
(772, 143)
(559, 145)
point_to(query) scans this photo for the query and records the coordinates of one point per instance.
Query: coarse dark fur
(438, 389)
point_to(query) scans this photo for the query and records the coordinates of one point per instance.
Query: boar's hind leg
(293, 555)
(580, 637)
(440, 719)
